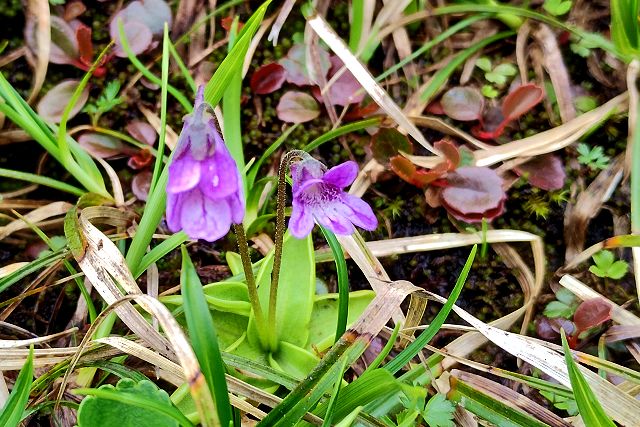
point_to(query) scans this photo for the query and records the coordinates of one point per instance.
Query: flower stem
(279, 237)
(243, 248)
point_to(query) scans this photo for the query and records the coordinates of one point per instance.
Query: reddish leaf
(268, 78)
(85, 45)
(64, 45)
(447, 147)
(473, 193)
(590, 313)
(100, 145)
(142, 131)
(521, 100)
(463, 103)
(435, 107)
(151, 13)
(297, 107)
(52, 105)
(227, 21)
(549, 329)
(358, 112)
(295, 63)
(346, 89)
(387, 143)
(140, 185)
(406, 170)
(545, 172)
(140, 159)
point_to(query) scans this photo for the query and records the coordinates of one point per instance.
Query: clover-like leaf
(606, 266)
(439, 411)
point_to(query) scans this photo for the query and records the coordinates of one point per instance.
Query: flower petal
(203, 218)
(301, 222)
(236, 204)
(335, 216)
(342, 175)
(174, 206)
(219, 174)
(184, 174)
(363, 214)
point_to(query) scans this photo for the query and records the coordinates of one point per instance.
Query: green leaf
(12, 411)
(557, 7)
(128, 404)
(606, 266)
(439, 411)
(603, 259)
(484, 64)
(293, 360)
(566, 296)
(618, 269)
(203, 337)
(589, 407)
(559, 309)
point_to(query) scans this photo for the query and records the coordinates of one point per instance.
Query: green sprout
(564, 306)
(593, 157)
(106, 102)
(557, 7)
(606, 266)
(498, 75)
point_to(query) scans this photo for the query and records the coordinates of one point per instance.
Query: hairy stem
(243, 248)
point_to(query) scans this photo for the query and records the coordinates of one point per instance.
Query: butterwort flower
(318, 195)
(204, 190)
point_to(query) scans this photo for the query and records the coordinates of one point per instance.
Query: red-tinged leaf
(142, 131)
(73, 9)
(295, 64)
(435, 107)
(549, 329)
(151, 13)
(140, 185)
(297, 107)
(52, 105)
(545, 172)
(64, 45)
(473, 193)
(227, 22)
(140, 160)
(447, 147)
(346, 89)
(358, 112)
(387, 143)
(406, 170)
(100, 145)
(85, 45)
(521, 100)
(268, 78)
(463, 103)
(138, 35)
(591, 313)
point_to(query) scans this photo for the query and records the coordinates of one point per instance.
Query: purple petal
(219, 174)
(334, 221)
(184, 174)
(305, 186)
(236, 204)
(305, 170)
(301, 222)
(363, 214)
(203, 218)
(342, 175)
(174, 206)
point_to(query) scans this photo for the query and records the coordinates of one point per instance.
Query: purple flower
(204, 190)
(318, 194)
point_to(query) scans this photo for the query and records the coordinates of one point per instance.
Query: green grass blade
(11, 413)
(590, 409)
(183, 68)
(416, 346)
(357, 21)
(41, 180)
(32, 267)
(204, 338)
(342, 130)
(159, 251)
(164, 83)
(232, 63)
(343, 281)
(253, 172)
(386, 349)
(333, 400)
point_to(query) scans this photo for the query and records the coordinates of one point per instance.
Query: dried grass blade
(620, 406)
(39, 340)
(34, 217)
(379, 95)
(39, 10)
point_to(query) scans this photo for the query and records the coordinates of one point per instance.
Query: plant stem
(279, 237)
(243, 248)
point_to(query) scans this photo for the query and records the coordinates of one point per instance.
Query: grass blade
(12, 411)
(204, 338)
(343, 281)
